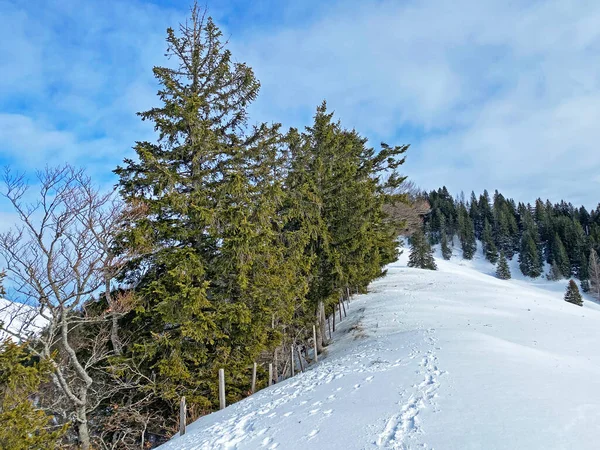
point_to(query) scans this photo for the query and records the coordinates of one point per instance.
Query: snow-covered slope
(19, 318)
(452, 359)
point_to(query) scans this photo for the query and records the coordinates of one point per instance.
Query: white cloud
(501, 94)
(491, 94)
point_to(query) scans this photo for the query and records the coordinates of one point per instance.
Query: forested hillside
(561, 235)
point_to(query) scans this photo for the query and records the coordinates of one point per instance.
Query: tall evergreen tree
(573, 295)
(529, 257)
(421, 255)
(489, 247)
(219, 273)
(502, 269)
(594, 273)
(466, 233)
(559, 256)
(445, 247)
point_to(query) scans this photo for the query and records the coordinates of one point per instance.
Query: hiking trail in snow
(451, 359)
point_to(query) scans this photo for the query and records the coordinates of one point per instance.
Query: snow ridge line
(404, 426)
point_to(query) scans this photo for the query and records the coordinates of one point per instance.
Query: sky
(491, 95)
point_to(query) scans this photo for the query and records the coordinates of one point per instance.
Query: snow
(451, 359)
(19, 318)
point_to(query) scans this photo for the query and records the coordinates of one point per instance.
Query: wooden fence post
(299, 352)
(276, 380)
(329, 326)
(292, 362)
(182, 416)
(333, 318)
(270, 374)
(340, 309)
(254, 378)
(343, 306)
(222, 388)
(315, 343)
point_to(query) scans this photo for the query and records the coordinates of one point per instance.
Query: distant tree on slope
(572, 295)
(529, 258)
(594, 273)
(421, 255)
(502, 269)
(554, 274)
(445, 247)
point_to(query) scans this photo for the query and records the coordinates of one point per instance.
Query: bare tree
(58, 258)
(594, 271)
(411, 211)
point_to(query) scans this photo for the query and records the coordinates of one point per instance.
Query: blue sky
(496, 94)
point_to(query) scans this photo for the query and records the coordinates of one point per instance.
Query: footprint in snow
(312, 412)
(288, 414)
(369, 378)
(328, 412)
(272, 415)
(312, 434)
(266, 441)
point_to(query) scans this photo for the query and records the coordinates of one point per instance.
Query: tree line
(560, 235)
(223, 244)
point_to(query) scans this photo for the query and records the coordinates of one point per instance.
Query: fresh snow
(451, 359)
(19, 318)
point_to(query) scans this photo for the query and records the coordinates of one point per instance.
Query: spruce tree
(489, 247)
(466, 233)
(572, 295)
(445, 247)
(594, 273)
(421, 254)
(502, 270)
(529, 257)
(559, 256)
(219, 271)
(555, 273)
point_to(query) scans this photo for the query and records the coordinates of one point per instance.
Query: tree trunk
(114, 335)
(83, 432)
(322, 340)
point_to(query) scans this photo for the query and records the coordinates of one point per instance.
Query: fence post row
(270, 374)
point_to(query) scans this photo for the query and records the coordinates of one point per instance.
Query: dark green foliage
(445, 247)
(246, 230)
(555, 273)
(572, 295)
(529, 257)
(466, 233)
(421, 254)
(559, 234)
(489, 247)
(222, 276)
(502, 269)
(585, 286)
(559, 257)
(24, 426)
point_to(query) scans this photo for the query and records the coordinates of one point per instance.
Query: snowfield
(19, 318)
(452, 359)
